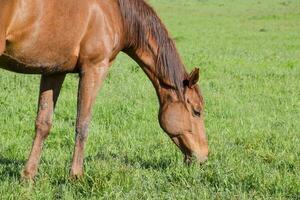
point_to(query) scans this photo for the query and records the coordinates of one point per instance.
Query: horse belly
(15, 65)
(39, 58)
(38, 66)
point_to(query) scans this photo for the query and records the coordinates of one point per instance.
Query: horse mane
(142, 23)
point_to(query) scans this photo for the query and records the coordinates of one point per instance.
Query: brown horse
(56, 37)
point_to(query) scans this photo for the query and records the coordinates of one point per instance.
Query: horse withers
(54, 37)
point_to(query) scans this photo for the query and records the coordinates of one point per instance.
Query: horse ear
(193, 78)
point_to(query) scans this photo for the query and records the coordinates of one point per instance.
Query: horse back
(46, 32)
(51, 32)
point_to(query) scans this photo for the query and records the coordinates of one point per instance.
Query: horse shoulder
(103, 39)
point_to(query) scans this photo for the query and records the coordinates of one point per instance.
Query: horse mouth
(194, 158)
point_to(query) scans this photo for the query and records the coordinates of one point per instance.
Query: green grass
(249, 53)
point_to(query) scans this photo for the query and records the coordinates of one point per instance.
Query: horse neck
(146, 58)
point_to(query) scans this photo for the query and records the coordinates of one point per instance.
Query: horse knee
(43, 127)
(82, 131)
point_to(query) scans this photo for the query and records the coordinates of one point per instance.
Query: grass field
(249, 53)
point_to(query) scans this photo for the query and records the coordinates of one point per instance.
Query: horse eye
(196, 113)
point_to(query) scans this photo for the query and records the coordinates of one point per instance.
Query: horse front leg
(91, 79)
(49, 91)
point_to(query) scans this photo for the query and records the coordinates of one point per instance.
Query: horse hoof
(76, 175)
(27, 176)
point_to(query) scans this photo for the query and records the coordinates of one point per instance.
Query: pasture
(249, 55)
